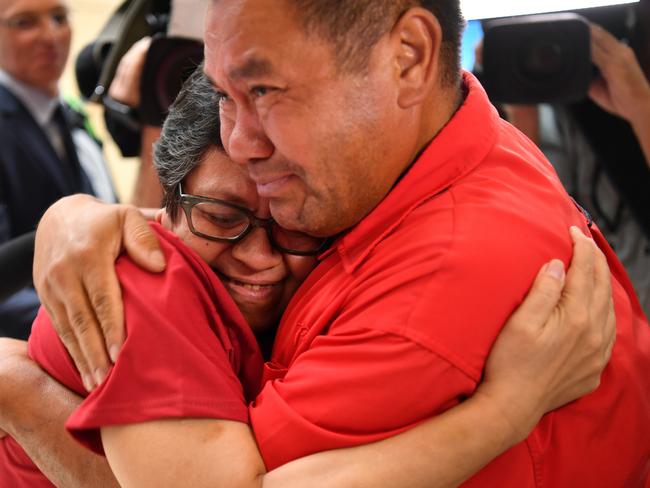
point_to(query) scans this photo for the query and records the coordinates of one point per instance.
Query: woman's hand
(555, 346)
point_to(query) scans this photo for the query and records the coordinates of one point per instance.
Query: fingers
(126, 83)
(105, 296)
(77, 242)
(542, 297)
(599, 93)
(66, 320)
(140, 242)
(603, 45)
(603, 303)
(580, 276)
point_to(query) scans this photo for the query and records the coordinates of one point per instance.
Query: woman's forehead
(217, 176)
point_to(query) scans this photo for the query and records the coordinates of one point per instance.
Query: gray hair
(190, 129)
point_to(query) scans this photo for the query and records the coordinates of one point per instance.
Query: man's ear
(417, 38)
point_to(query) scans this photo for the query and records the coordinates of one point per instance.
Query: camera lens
(542, 60)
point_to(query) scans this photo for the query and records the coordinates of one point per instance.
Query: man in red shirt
(354, 121)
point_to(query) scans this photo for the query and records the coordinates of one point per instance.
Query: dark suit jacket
(32, 177)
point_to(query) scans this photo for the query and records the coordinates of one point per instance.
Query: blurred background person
(600, 146)
(47, 148)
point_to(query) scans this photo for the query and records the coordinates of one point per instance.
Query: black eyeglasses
(221, 221)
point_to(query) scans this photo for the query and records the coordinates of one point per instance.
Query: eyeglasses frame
(188, 201)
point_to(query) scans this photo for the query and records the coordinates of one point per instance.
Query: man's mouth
(268, 187)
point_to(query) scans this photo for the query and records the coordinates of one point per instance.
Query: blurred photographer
(126, 88)
(600, 147)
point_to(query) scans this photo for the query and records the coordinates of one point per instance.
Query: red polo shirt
(188, 353)
(398, 319)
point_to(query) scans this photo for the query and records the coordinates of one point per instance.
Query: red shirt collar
(459, 147)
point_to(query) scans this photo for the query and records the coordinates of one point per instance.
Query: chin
(260, 325)
(261, 321)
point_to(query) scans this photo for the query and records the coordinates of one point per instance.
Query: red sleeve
(47, 350)
(179, 358)
(349, 389)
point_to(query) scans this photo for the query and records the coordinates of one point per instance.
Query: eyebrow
(252, 68)
(227, 195)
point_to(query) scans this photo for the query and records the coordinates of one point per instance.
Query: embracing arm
(540, 361)
(76, 270)
(33, 409)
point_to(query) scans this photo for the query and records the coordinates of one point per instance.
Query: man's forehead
(20, 6)
(249, 21)
(237, 46)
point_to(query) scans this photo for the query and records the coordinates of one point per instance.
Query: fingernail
(113, 352)
(576, 232)
(555, 269)
(100, 375)
(88, 382)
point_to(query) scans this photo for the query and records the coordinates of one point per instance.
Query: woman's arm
(33, 409)
(539, 362)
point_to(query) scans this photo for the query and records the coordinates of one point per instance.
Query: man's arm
(537, 364)
(75, 278)
(622, 89)
(33, 409)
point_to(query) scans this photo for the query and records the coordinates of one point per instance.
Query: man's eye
(222, 97)
(60, 18)
(259, 91)
(23, 22)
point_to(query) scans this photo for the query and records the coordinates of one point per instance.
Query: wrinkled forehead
(249, 35)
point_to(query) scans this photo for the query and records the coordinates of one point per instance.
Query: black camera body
(537, 59)
(546, 58)
(169, 61)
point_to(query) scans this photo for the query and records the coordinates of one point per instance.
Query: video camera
(546, 58)
(170, 60)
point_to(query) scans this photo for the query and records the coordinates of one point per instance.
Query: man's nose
(255, 251)
(246, 141)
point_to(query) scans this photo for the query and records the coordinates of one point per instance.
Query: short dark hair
(355, 26)
(190, 129)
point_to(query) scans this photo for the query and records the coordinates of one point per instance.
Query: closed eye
(223, 220)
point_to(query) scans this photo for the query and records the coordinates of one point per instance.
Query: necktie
(65, 149)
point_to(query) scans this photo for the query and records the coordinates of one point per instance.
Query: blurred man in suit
(46, 148)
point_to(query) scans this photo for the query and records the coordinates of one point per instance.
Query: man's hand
(622, 89)
(560, 339)
(77, 242)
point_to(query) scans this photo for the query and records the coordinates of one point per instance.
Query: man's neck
(438, 111)
(50, 90)
(39, 103)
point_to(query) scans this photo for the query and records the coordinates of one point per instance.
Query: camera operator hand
(125, 87)
(622, 89)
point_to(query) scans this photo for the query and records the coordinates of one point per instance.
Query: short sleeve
(350, 389)
(177, 361)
